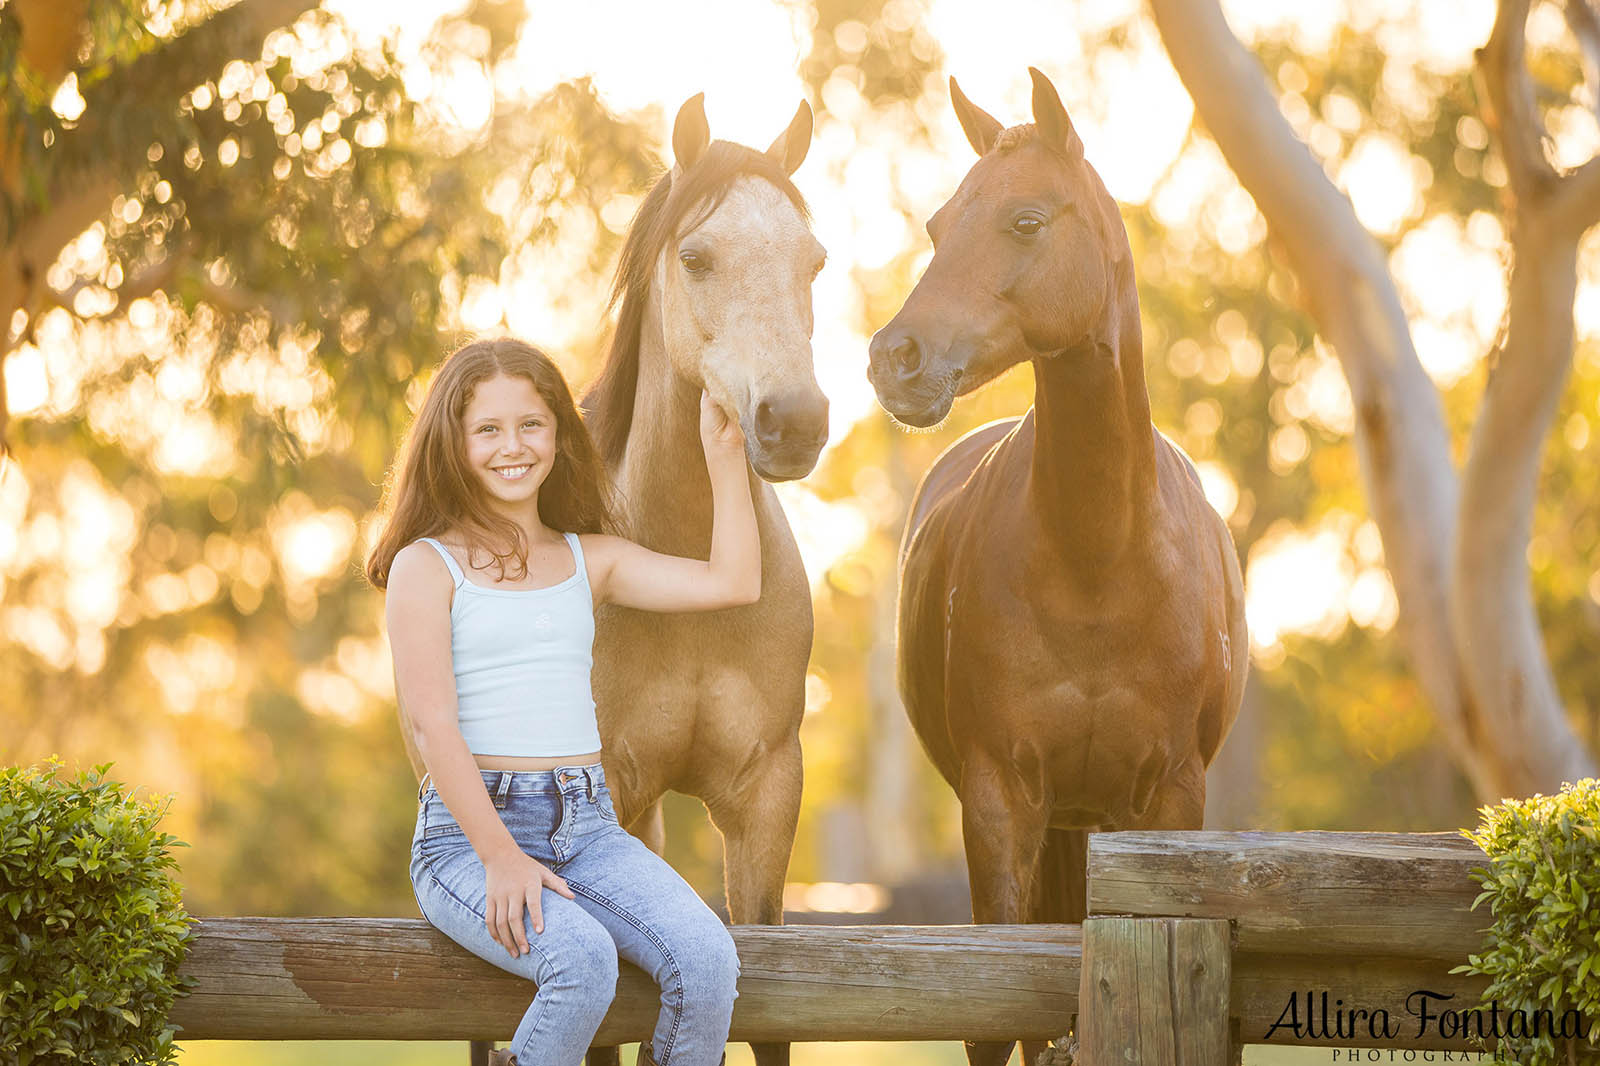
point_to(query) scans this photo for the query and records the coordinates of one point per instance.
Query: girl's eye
(1027, 225)
(487, 429)
(694, 262)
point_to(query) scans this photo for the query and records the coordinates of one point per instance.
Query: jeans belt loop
(588, 777)
(500, 793)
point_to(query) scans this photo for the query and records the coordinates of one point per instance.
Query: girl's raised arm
(417, 608)
(629, 575)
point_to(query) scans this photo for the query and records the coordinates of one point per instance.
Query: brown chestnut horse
(715, 284)
(1072, 634)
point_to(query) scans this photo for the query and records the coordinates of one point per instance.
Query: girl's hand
(719, 433)
(514, 882)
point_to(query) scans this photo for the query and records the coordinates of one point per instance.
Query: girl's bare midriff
(534, 762)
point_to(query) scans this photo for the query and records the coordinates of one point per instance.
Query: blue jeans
(630, 903)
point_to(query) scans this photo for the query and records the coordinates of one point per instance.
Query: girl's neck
(525, 516)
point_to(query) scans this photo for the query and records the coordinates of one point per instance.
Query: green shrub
(92, 929)
(1542, 955)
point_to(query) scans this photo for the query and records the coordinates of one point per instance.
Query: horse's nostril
(768, 424)
(906, 357)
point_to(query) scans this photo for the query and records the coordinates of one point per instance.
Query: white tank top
(522, 659)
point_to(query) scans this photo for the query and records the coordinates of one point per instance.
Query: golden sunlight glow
(27, 387)
(82, 563)
(1222, 492)
(1296, 582)
(1381, 178)
(68, 102)
(825, 532)
(835, 897)
(310, 544)
(332, 693)
(197, 668)
(1315, 582)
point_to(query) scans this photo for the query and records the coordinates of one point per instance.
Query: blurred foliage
(242, 338)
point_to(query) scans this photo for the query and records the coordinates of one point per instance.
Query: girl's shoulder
(426, 562)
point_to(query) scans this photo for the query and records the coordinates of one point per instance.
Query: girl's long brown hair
(431, 489)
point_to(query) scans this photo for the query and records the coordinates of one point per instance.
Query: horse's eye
(1027, 225)
(694, 262)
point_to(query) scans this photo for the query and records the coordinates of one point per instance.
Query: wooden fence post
(1155, 992)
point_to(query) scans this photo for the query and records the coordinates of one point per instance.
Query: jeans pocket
(437, 822)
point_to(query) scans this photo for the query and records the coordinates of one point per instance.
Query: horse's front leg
(1003, 822)
(650, 826)
(757, 820)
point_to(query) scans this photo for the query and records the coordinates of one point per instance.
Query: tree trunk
(1466, 614)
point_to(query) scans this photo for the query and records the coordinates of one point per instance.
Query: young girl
(494, 557)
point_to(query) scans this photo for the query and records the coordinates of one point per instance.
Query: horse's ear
(690, 132)
(790, 149)
(1051, 117)
(980, 127)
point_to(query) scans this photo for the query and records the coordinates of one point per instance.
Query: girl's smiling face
(510, 435)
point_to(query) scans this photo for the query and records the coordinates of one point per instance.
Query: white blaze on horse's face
(734, 286)
(736, 313)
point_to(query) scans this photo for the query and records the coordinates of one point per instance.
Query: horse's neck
(1093, 472)
(663, 472)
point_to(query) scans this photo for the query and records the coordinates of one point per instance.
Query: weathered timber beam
(399, 979)
(1403, 895)
(1156, 990)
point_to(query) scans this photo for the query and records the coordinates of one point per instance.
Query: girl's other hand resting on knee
(515, 881)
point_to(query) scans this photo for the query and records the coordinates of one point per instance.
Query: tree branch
(1496, 624)
(1584, 22)
(1513, 113)
(1574, 204)
(52, 33)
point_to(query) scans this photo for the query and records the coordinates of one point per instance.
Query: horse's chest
(1096, 650)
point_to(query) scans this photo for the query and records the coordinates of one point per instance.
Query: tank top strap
(577, 555)
(449, 560)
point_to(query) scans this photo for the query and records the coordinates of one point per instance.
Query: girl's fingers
(535, 913)
(506, 937)
(491, 921)
(517, 901)
(559, 884)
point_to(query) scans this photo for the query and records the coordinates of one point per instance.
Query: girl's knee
(584, 958)
(710, 966)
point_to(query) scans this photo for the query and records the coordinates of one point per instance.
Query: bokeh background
(204, 410)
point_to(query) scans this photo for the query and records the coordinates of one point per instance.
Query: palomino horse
(1072, 636)
(715, 284)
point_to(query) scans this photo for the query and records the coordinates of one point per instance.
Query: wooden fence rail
(1199, 942)
(399, 979)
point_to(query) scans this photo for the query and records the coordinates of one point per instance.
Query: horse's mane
(608, 405)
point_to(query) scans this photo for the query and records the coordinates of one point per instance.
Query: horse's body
(715, 288)
(1071, 622)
